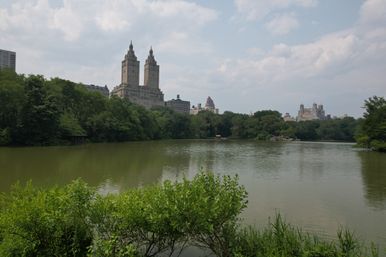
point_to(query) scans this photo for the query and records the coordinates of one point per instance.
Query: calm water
(319, 186)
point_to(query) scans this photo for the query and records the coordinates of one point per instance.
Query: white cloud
(258, 9)
(282, 24)
(114, 15)
(373, 11)
(119, 14)
(94, 34)
(75, 16)
(3, 19)
(181, 43)
(68, 21)
(283, 62)
(332, 55)
(191, 11)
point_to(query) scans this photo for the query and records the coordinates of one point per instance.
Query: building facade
(178, 105)
(7, 60)
(103, 90)
(209, 106)
(316, 112)
(287, 117)
(149, 95)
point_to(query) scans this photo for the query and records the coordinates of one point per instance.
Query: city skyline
(248, 55)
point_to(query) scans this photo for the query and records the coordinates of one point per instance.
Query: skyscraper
(148, 95)
(130, 68)
(7, 60)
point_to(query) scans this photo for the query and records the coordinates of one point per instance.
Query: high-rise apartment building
(7, 60)
(148, 95)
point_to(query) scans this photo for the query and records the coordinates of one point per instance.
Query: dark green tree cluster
(164, 220)
(37, 111)
(373, 127)
(342, 129)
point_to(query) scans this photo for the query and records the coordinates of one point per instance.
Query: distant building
(314, 113)
(288, 117)
(178, 105)
(148, 95)
(103, 90)
(7, 60)
(209, 106)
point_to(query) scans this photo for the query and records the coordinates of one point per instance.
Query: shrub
(37, 222)
(168, 218)
(152, 221)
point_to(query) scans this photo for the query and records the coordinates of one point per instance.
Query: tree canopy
(373, 127)
(39, 111)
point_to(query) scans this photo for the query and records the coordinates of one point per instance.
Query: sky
(248, 55)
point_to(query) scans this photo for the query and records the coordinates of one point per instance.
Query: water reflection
(118, 165)
(374, 178)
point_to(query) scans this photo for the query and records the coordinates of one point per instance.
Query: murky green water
(319, 186)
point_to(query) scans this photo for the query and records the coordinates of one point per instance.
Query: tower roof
(131, 53)
(209, 103)
(150, 59)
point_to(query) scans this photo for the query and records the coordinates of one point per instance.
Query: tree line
(39, 111)
(161, 220)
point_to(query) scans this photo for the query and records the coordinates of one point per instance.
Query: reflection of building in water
(314, 113)
(209, 106)
(374, 178)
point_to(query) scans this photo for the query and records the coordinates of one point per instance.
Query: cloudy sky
(248, 55)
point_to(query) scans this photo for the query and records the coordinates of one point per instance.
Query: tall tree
(373, 127)
(40, 116)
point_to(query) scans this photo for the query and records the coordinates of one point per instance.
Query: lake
(318, 186)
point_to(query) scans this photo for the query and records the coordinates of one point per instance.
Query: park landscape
(121, 171)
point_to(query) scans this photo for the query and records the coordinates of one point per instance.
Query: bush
(37, 222)
(167, 218)
(153, 221)
(378, 145)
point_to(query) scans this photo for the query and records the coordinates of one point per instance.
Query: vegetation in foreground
(37, 111)
(153, 221)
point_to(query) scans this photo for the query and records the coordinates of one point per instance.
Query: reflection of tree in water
(122, 165)
(374, 178)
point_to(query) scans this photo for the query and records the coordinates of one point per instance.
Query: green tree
(306, 130)
(373, 127)
(39, 222)
(39, 119)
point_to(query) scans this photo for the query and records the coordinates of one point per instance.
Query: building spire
(131, 45)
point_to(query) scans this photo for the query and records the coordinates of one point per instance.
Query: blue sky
(248, 55)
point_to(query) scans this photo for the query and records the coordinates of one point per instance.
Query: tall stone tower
(130, 68)
(151, 71)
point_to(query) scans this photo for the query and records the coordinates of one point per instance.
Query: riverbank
(151, 221)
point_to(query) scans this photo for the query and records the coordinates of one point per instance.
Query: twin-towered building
(148, 95)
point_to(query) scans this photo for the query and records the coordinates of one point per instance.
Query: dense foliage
(37, 111)
(373, 127)
(153, 221)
